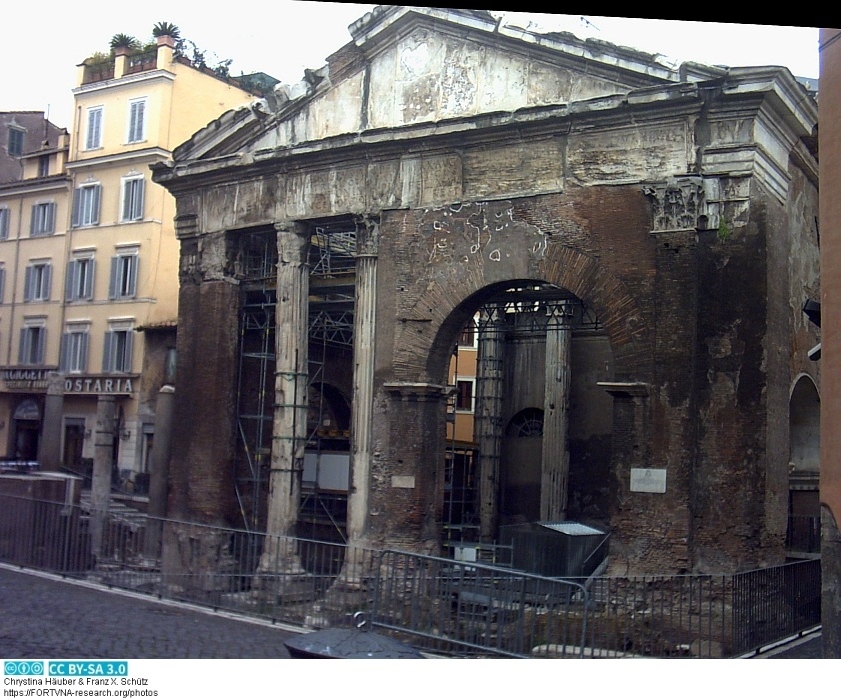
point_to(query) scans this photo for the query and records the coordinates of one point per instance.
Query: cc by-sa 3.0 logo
(23, 668)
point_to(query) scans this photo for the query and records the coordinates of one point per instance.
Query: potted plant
(166, 29)
(122, 44)
(166, 33)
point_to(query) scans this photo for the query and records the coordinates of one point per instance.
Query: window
(133, 199)
(116, 357)
(123, 283)
(79, 281)
(464, 394)
(527, 423)
(74, 349)
(467, 339)
(33, 341)
(86, 205)
(43, 165)
(136, 121)
(36, 285)
(4, 223)
(15, 141)
(94, 132)
(43, 219)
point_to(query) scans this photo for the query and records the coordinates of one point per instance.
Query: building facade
(26, 133)
(635, 240)
(90, 260)
(830, 310)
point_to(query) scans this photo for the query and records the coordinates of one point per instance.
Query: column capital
(291, 226)
(292, 243)
(368, 235)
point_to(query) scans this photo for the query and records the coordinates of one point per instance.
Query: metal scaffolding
(332, 265)
(537, 308)
(522, 310)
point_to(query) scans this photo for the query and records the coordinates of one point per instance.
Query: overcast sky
(285, 36)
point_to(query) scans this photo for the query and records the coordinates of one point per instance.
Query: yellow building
(461, 506)
(90, 258)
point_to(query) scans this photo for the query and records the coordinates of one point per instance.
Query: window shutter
(115, 273)
(126, 216)
(49, 227)
(139, 187)
(70, 280)
(2, 283)
(33, 221)
(76, 219)
(95, 192)
(42, 345)
(48, 274)
(83, 364)
(129, 344)
(64, 360)
(107, 352)
(4, 223)
(134, 269)
(89, 279)
(24, 334)
(27, 284)
(94, 128)
(136, 121)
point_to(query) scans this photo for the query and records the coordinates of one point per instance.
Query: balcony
(97, 72)
(138, 63)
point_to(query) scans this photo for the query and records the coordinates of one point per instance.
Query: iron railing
(441, 605)
(774, 603)
(453, 608)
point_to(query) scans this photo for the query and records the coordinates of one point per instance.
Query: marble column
(554, 474)
(289, 430)
(364, 332)
(159, 469)
(102, 464)
(49, 452)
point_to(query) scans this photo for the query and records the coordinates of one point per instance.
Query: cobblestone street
(43, 617)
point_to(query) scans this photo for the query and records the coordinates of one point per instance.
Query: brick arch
(459, 279)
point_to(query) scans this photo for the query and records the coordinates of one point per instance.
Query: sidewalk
(809, 646)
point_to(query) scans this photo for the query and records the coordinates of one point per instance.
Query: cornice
(121, 157)
(41, 184)
(131, 79)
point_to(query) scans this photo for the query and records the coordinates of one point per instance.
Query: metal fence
(454, 608)
(441, 605)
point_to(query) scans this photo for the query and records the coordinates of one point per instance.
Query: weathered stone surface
(681, 219)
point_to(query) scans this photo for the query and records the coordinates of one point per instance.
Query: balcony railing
(141, 62)
(98, 72)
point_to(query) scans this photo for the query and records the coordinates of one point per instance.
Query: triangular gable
(410, 65)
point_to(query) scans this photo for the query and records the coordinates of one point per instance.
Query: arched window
(527, 423)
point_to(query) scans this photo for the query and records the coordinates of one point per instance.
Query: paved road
(44, 618)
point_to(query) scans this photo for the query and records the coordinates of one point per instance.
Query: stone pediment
(410, 65)
(410, 73)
